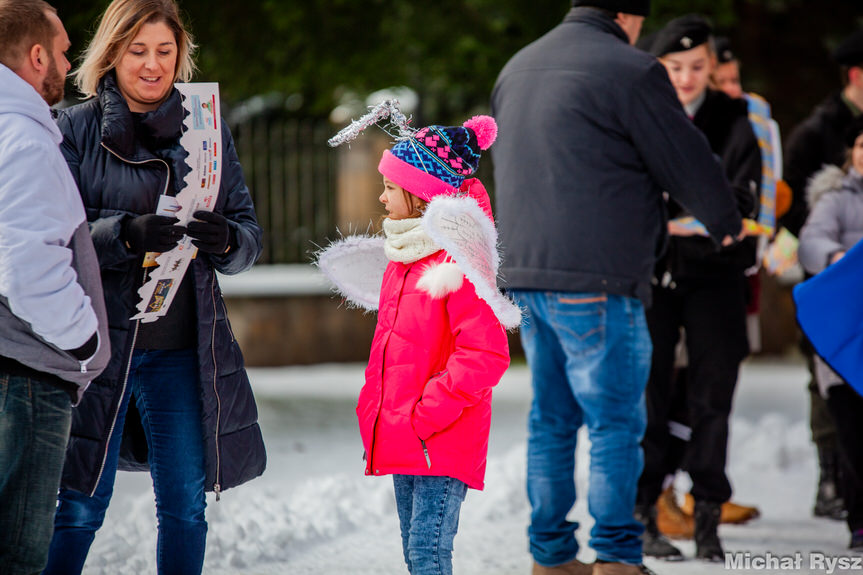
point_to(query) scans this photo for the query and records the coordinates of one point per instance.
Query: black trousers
(846, 406)
(713, 314)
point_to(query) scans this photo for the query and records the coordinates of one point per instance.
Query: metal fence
(291, 172)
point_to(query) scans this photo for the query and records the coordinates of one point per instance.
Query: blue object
(830, 313)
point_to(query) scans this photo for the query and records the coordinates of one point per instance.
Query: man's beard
(54, 84)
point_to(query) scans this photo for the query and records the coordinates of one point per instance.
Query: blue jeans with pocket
(428, 508)
(165, 386)
(589, 356)
(34, 430)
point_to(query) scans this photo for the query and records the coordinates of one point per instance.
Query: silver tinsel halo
(386, 109)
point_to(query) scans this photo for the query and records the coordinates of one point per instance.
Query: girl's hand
(836, 257)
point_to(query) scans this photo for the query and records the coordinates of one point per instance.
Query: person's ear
(855, 75)
(37, 58)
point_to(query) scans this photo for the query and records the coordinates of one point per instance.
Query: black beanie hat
(850, 51)
(636, 7)
(681, 34)
(724, 53)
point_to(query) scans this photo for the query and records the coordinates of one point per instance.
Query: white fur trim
(461, 227)
(827, 179)
(441, 279)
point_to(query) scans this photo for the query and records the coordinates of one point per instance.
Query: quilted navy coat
(121, 168)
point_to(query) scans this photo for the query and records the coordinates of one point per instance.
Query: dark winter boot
(828, 502)
(707, 545)
(654, 543)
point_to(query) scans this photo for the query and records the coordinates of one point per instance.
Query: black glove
(87, 350)
(211, 234)
(152, 233)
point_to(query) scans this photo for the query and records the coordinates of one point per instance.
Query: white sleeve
(40, 209)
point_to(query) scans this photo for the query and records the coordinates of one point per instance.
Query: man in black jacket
(820, 140)
(590, 135)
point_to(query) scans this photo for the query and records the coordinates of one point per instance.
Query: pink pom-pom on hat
(485, 128)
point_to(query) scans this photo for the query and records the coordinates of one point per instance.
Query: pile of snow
(313, 511)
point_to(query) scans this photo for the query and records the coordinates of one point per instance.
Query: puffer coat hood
(121, 166)
(425, 408)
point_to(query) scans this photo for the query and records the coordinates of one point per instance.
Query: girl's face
(396, 201)
(145, 74)
(727, 78)
(689, 72)
(857, 154)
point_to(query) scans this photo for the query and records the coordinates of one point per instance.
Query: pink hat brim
(419, 183)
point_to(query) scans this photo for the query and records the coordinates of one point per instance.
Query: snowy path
(313, 511)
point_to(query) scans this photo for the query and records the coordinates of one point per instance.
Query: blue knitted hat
(437, 159)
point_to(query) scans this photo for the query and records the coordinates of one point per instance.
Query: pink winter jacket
(432, 367)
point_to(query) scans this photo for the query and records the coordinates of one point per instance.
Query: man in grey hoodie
(53, 328)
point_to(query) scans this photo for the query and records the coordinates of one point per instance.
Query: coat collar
(124, 135)
(596, 19)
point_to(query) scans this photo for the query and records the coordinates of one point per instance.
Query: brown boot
(574, 567)
(602, 568)
(670, 519)
(731, 512)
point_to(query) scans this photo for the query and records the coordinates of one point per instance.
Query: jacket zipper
(426, 453)
(138, 163)
(137, 322)
(217, 488)
(225, 309)
(117, 411)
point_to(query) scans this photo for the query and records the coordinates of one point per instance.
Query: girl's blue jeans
(589, 356)
(428, 508)
(165, 386)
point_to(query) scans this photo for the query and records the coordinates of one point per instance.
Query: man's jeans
(428, 508)
(589, 356)
(34, 430)
(167, 394)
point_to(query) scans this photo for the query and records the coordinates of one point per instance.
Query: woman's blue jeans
(589, 357)
(428, 508)
(165, 386)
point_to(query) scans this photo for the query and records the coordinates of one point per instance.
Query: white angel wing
(355, 266)
(459, 226)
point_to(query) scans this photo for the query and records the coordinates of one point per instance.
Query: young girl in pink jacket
(440, 345)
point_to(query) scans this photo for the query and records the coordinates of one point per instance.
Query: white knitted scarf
(407, 241)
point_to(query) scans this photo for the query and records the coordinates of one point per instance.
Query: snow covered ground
(314, 512)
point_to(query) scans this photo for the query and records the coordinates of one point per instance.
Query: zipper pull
(218, 490)
(426, 453)
(83, 365)
(666, 279)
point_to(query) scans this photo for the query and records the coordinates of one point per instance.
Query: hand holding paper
(209, 232)
(202, 139)
(152, 233)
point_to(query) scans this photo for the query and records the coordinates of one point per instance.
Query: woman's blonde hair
(120, 23)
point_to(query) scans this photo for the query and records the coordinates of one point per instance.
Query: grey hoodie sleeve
(820, 236)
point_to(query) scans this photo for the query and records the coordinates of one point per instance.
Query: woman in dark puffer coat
(175, 397)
